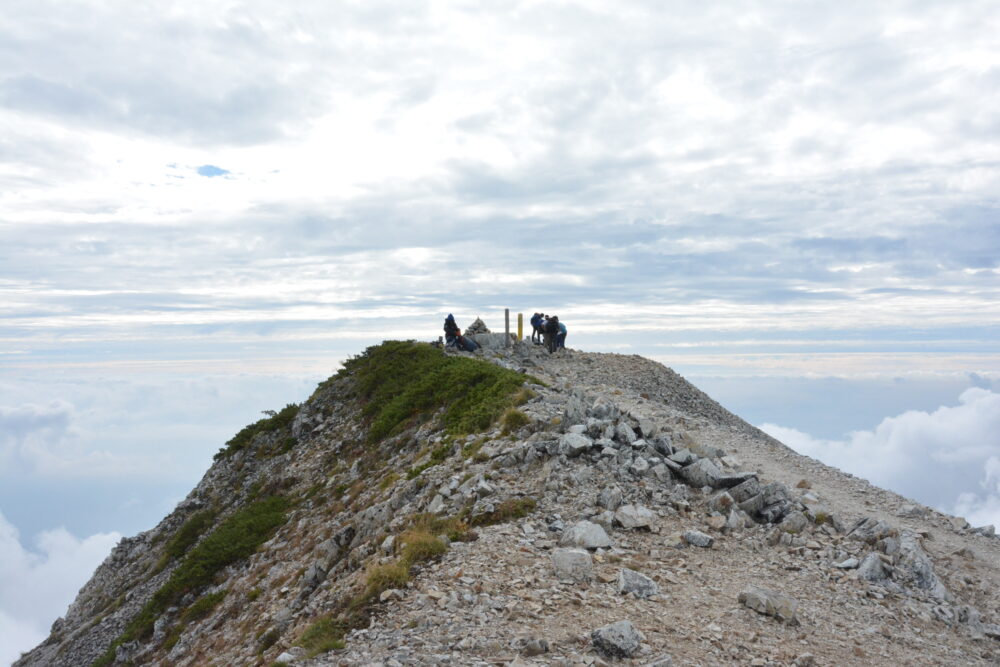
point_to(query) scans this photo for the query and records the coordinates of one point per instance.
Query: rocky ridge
(661, 529)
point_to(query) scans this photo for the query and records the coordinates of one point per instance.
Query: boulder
(683, 457)
(872, 569)
(794, 522)
(634, 516)
(573, 565)
(702, 472)
(624, 433)
(745, 490)
(574, 444)
(917, 567)
(617, 640)
(636, 583)
(586, 535)
(698, 539)
(729, 480)
(770, 603)
(610, 498)
(871, 530)
(603, 408)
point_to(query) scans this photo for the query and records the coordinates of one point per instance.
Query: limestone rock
(698, 539)
(610, 498)
(631, 517)
(770, 603)
(585, 534)
(702, 472)
(574, 444)
(617, 640)
(636, 583)
(574, 565)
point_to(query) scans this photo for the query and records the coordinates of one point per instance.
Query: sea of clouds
(948, 458)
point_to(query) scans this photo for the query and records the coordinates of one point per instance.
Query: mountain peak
(427, 506)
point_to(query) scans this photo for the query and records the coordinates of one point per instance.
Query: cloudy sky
(204, 206)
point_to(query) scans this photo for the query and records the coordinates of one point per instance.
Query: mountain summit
(429, 507)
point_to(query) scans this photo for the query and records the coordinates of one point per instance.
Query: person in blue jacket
(536, 328)
(561, 337)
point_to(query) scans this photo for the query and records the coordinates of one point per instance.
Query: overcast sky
(204, 206)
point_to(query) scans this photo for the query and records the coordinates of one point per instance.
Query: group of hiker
(546, 330)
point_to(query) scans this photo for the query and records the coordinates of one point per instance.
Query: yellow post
(520, 326)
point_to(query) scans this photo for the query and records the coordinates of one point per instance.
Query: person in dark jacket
(453, 336)
(451, 331)
(551, 331)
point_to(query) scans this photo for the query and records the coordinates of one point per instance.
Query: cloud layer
(749, 170)
(948, 458)
(36, 586)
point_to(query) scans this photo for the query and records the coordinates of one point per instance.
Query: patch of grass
(236, 538)
(186, 536)
(274, 422)
(471, 450)
(253, 595)
(418, 545)
(821, 518)
(512, 420)
(455, 528)
(388, 480)
(405, 382)
(515, 508)
(523, 395)
(326, 634)
(439, 455)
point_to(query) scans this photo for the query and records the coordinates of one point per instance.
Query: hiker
(451, 331)
(561, 337)
(536, 328)
(453, 336)
(551, 331)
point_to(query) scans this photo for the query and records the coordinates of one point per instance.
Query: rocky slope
(618, 515)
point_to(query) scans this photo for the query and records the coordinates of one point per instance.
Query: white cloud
(948, 458)
(37, 586)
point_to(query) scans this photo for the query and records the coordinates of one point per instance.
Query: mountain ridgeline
(426, 506)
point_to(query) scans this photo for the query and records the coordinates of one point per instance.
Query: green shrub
(186, 536)
(236, 538)
(274, 422)
(404, 382)
(202, 607)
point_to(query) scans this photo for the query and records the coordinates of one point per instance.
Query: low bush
(236, 538)
(404, 382)
(186, 536)
(274, 422)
